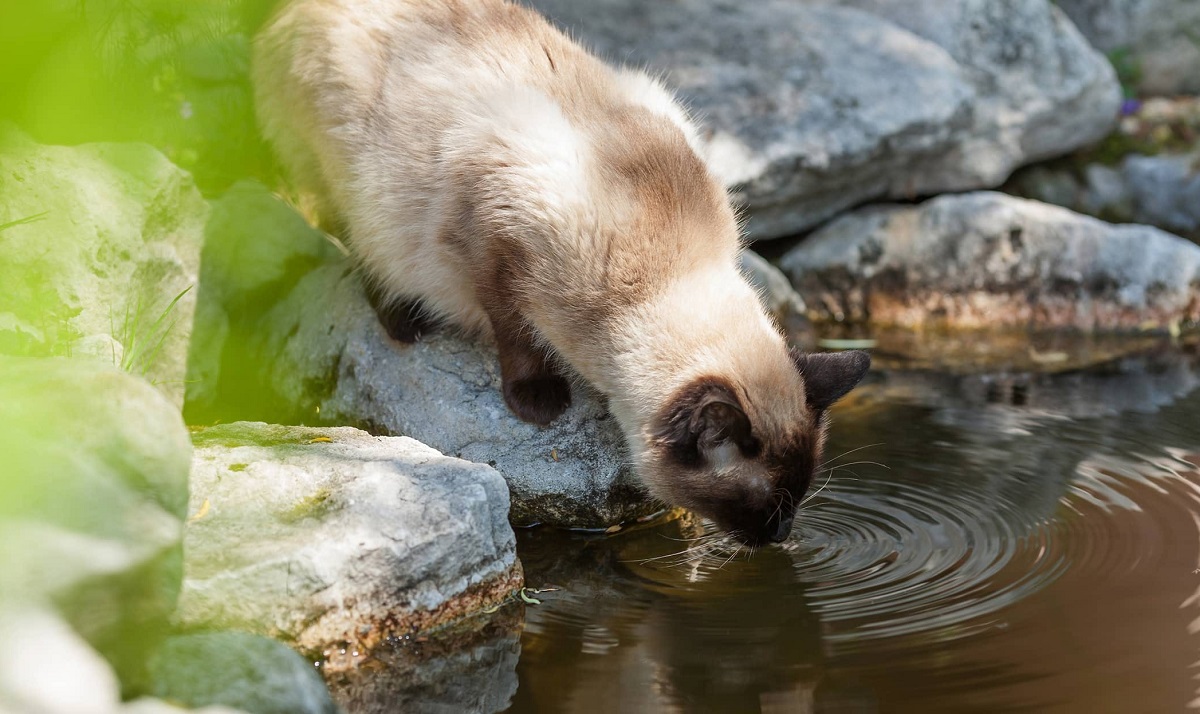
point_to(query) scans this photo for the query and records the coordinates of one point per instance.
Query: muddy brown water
(987, 543)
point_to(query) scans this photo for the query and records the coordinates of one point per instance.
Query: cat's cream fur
(488, 167)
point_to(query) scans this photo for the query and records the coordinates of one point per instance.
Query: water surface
(1005, 541)
(988, 543)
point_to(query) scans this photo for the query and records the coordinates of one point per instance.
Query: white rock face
(991, 260)
(329, 536)
(1158, 39)
(98, 240)
(812, 108)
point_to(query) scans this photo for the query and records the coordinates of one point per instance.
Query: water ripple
(907, 559)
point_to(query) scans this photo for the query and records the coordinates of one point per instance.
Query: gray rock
(816, 107)
(1165, 189)
(333, 539)
(1106, 195)
(330, 354)
(778, 295)
(1159, 39)
(95, 484)
(46, 668)
(991, 260)
(1161, 190)
(240, 670)
(98, 241)
(1049, 184)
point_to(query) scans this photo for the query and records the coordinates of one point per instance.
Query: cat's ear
(829, 376)
(705, 416)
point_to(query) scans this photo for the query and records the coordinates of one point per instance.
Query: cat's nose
(783, 529)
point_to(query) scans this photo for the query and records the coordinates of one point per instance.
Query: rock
(333, 538)
(1166, 190)
(101, 246)
(988, 260)
(240, 670)
(329, 353)
(1106, 195)
(1159, 190)
(816, 107)
(95, 484)
(778, 295)
(1154, 39)
(47, 668)
(256, 248)
(1092, 189)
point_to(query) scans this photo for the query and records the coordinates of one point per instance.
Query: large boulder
(1158, 41)
(983, 260)
(815, 107)
(95, 488)
(101, 248)
(333, 539)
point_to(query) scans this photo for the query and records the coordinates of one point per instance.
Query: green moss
(315, 505)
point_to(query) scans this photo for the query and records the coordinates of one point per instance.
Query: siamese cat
(492, 174)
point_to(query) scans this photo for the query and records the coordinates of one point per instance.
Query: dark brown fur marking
(533, 388)
(405, 320)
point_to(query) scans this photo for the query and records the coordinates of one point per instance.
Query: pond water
(986, 543)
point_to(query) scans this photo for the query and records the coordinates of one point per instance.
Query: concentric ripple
(882, 562)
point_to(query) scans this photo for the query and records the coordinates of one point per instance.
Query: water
(988, 543)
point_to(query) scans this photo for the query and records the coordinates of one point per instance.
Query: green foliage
(143, 342)
(173, 73)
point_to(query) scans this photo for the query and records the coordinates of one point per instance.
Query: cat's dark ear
(704, 416)
(829, 376)
(718, 418)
